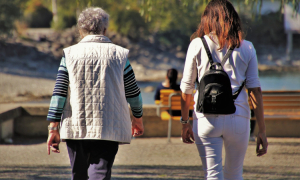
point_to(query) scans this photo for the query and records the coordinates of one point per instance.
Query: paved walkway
(148, 158)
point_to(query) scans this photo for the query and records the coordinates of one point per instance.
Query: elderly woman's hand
(137, 127)
(187, 134)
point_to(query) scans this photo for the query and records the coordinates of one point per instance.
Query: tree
(9, 12)
(37, 15)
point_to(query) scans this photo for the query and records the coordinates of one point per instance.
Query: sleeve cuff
(53, 120)
(253, 83)
(186, 91)
(138, 116)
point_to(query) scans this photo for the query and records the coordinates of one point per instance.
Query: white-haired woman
(94, 84)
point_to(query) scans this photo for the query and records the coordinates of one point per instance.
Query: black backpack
(214, 90)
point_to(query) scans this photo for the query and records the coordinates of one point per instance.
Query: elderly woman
(220, 30)
(94, 83)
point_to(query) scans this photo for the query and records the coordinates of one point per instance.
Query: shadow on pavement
(35, 172)
(19, 140)
(142, 172)
(284, 143)
(272, 172)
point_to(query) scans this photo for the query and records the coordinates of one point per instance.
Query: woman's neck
(166, 83)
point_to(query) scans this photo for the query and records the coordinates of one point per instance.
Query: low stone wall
(33, 122)
(30, 120)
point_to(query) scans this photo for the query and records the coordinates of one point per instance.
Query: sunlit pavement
(147, 158)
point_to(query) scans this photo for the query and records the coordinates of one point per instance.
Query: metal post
(54, 10)
(170, 112)
(289, 45)
(1, 136)
(169, 129)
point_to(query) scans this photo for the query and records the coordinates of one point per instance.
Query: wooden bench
(170, 100)
(280, 105)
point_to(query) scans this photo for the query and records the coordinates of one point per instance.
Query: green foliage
(131, 24)
(67, 12)
(64, 22)
(9, 12)
(170, 22)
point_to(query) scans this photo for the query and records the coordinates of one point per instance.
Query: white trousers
(210, 132)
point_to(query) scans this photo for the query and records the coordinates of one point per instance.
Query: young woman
(221, 27)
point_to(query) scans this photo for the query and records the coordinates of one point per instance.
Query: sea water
(268, 81)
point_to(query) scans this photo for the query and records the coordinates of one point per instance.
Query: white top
(242, 64)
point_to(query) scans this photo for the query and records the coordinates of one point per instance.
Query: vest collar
(95, 38)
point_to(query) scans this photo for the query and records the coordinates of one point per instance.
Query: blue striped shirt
(57, 103)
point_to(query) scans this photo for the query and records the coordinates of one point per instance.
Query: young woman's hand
(261, 141)
(187, 134)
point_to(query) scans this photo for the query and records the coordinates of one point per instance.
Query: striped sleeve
(59, 93)
(132, 91)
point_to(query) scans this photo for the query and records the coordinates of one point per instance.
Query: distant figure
(94, 85)
(220, 33)
(169, 83)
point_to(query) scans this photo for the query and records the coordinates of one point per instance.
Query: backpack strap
(211, 61)
(226, 57)
(236, 94)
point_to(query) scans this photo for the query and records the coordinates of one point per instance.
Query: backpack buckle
(214, 99)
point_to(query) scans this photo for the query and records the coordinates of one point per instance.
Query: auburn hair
(220, 18)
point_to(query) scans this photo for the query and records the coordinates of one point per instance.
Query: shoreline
(28, 66)
(262, 68)
(19, 88)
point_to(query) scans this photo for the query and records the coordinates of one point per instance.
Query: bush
(9, 12)
(41, 17)
(130, 23)
(64, 22)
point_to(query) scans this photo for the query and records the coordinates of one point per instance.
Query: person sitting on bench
(170, 83)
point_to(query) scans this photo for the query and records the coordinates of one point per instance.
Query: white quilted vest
(96, 107)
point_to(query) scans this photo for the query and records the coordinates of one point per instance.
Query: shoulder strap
(236, 94)
(226, 57)
(211, 61)
(197, 82)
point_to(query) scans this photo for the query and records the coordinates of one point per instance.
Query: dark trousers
(91, 159)
(252, 126)
(178, 113)
(252, 122)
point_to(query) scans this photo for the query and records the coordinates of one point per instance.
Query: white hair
(93, 20)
